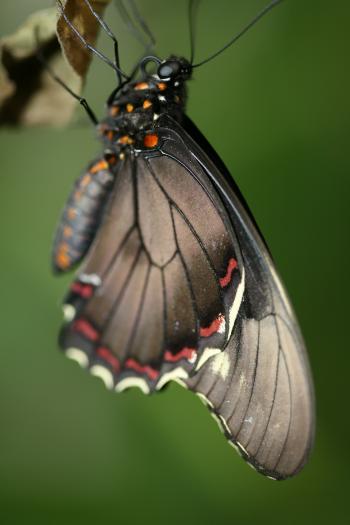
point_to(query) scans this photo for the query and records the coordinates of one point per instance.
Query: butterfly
(175, 281)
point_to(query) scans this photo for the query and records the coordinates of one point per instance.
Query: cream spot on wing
(78, 356)
(207, 354)
(204, 400)
(218, 420)
(241, 448)
(175, 375)
(232, 444)
(236, 304)
(104, 374)
(222, 326)
(225, 425)
(90, 278)
(221, 365)
(130, 382)
(68, 312)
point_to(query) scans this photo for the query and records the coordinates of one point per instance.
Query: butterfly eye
(169, 68)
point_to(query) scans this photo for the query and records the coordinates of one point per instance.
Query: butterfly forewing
(168, 268)
(260, 387)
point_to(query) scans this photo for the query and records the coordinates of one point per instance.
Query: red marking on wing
(106, 354)
(142, 369)
(232, 265)
(84, 290)
(86, 329)
(185, 353)
(213, 327)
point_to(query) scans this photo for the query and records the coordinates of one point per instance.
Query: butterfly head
(174, 69)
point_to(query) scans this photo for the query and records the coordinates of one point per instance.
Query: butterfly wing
(161, 285)
(260, 388)
(178, 284)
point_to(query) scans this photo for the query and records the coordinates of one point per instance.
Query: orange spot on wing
(141, 85)
(146, 104)
(162, 86)
(150, 140)
(129, 108)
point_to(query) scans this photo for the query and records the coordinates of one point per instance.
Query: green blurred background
(276, 108)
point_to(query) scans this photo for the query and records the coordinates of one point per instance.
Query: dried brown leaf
(79, 14)
(29, 95)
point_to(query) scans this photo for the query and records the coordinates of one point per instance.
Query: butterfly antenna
(86, 44)
(110, 33)
(262, 13)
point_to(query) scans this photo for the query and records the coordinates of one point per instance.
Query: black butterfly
(176, 282)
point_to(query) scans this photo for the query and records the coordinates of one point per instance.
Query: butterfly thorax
(135, 110)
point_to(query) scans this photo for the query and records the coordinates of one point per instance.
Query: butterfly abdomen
(82, 214)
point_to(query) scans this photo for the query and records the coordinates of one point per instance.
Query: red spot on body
(232, 265)
(106, 354)
(185, 353)
(150, 140)
(84, 290)
(86, 329)
(142, 369)
(213, 327)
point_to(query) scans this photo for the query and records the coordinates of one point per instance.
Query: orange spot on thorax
(114, 111)
(141, 85)
(150, 140)
(125, 139)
